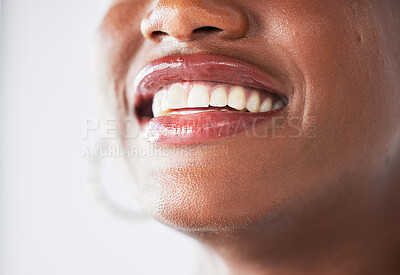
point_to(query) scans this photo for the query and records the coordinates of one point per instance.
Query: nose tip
(186, 20)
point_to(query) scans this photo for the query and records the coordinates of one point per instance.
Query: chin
(204, 191)
(200, 212)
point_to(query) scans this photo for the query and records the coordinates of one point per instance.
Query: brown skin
(324, 202)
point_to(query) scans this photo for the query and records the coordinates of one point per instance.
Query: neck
(362, 249)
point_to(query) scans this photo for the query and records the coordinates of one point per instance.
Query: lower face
(332, 63)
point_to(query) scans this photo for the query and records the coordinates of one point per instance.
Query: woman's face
(335, 62)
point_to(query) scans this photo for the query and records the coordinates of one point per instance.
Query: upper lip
(203, 67)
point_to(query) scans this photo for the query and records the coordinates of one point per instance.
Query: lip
(205, 126)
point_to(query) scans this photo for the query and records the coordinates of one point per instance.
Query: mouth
(192, 99)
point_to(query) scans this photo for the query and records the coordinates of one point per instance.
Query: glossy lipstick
(213, 123)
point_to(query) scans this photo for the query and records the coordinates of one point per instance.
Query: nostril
(207, 29)
(158, 34)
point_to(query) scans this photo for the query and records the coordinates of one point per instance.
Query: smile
(192, 99)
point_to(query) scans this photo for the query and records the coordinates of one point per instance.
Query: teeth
(253, 103)
(177, 97)
(198, 96)
(279, 104)
(266, 105)
(157, 105)
(164, 101)
(237, 98)
(219, 97)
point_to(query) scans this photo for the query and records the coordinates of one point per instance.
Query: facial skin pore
(317, 195)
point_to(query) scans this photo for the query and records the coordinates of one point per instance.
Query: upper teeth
(202, 95)
(219, 98)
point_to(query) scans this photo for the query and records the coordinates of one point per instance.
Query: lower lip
(205, 127)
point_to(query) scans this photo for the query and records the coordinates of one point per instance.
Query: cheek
(116, 43)
(341, 53)
(120, 37)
